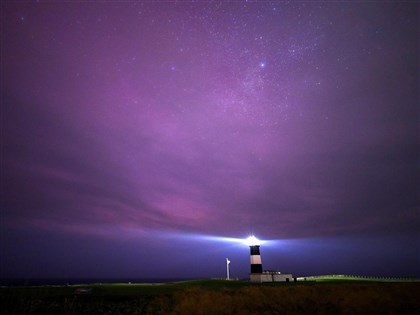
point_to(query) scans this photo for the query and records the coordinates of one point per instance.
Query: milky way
(123, 122)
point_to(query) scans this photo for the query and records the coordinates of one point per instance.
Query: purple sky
(131, 132)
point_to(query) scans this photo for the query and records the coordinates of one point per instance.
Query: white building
(271, 276)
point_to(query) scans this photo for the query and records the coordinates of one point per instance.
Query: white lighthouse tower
(257, 273)
(256, 265)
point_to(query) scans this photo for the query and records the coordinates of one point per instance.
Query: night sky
(138, 137)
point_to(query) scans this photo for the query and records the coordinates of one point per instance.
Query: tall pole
(227, 268)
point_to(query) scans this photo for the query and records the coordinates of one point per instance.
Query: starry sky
(140, 139)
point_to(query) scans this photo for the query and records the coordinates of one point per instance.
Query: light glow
(252, 241)
(249, 241)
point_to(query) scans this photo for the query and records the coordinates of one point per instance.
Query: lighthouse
(257, 273)
(254, 245)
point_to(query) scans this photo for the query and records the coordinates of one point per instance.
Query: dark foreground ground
(216, 297)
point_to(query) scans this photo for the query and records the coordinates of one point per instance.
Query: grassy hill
(349, 278)
(316, 295)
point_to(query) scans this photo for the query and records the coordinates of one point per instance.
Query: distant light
(263, 64)
(252, 241)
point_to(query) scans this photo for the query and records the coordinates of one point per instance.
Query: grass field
(341, 278)
(317, 295)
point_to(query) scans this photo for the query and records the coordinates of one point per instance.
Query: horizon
(145, 139)
(34, 282)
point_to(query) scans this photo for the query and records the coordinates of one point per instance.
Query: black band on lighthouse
(256, 268)
(255, 250)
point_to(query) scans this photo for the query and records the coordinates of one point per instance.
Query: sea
(73, 281)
